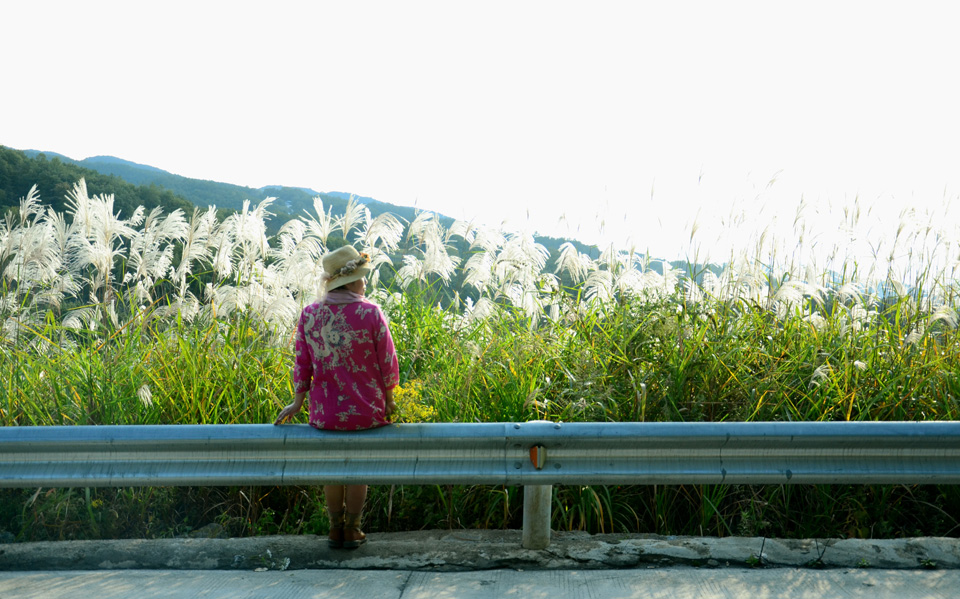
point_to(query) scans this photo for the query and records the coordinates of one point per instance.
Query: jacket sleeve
(303, 365)
(386, 353)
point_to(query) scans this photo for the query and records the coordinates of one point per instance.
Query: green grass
(653, 361)
(739, 347)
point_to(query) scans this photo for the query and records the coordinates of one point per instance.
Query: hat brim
(360, 273)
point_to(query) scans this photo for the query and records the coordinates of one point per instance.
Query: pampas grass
(715, 342)
(152, 318)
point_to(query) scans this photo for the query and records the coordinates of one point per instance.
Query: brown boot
(353, 537)
(335, 538)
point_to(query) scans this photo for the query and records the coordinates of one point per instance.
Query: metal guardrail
(497, 453)
(534, 454)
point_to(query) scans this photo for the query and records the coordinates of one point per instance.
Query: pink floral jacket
(345, 359)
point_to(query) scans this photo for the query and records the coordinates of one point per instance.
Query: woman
(346, 362)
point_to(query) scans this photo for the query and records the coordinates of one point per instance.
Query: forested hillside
(55, 177)
(136, 184)
(290, 201)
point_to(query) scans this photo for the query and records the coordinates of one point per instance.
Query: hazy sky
(630, 116)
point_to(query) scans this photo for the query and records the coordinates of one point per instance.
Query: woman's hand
(390, 406)
(291, 410)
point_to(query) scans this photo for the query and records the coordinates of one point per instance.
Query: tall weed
(162, 319)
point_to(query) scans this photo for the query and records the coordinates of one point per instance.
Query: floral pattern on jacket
(345, 361)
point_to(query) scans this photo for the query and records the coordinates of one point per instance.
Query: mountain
(106, 164)
(201, 192)
(290, 201)
(55, 175)
(347, 196)
(104, 174)
(312, 192)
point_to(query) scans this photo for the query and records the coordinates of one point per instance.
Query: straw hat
(343, 266)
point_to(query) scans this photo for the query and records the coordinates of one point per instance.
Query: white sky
(630, 116)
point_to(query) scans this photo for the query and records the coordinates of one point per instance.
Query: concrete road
(669, 583)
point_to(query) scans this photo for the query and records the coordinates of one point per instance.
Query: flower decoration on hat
(350, 267)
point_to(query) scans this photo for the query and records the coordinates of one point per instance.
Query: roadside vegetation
(178, 318)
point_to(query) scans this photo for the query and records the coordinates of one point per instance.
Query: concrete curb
(461, 550)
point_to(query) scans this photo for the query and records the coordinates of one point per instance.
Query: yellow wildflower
(411, 406)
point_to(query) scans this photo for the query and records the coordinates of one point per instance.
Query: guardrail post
(536, 516)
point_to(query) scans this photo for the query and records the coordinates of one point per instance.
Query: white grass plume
(384, 232)
(151, 250)
(378, 258)
(355, 215)
(296, 259)
(479, 270)
(462, 229)
(30, 206)
(98, 239)
(195, 246)
(944, 314)
(428, 234)
(412, 270)
(487, 239)
(521, 260)
(323, 225)
(572, 262)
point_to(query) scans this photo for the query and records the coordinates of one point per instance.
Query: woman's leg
(334, 497)
(356, 495)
